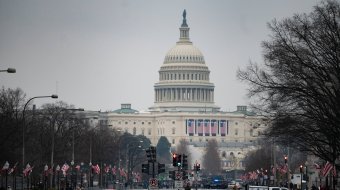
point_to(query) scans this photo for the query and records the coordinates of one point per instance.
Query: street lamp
(128, 160)
(54, 96)
(301, 173)
(9, 70)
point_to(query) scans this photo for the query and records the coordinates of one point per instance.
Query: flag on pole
(77, 167)
(107, 169)
(114, 170)
(96, 169)
(327, 168)
(64, 168)
(122, 172)
(317, 166)
(13, 168)
(6, 166)
(27, 170)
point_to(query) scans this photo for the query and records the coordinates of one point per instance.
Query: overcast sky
(99, 54)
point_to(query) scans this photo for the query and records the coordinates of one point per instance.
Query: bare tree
(211, 159)
(183, 148)
(299, 84)
(11, 103)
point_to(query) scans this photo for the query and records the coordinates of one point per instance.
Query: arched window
(134, 131)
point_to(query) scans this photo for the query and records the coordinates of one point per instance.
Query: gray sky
(99, 54)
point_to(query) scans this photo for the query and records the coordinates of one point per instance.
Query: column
(170, 89)
(191, 94)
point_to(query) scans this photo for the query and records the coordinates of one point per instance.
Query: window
(251, 132)
(173, 131)
(149, 123)
(236, 131)
(126, 122)
(134, 131)
(149, 131)
(224, 154)
(173, 122)
(143, 123)
(142, 131)
(173, 141)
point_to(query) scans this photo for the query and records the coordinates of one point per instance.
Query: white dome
(184, 53)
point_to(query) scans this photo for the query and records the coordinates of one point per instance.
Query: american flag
(200, 126)
(191, 126)
(64, 168)
(122, 172)
(13, 169)
(107, 169)
(78, 167)
(327, 168)
(223, 127)
(27, 170)
(207, 127)
(213, 127)
(283, 169)
(96, 169)
(114, 170)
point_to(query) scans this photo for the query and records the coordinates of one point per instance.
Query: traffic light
(172, 175)
(286, 159)
(179, 160)
(161, 168)
(174, 160)
(184, 175)
(151, 154)
(197, 167)
(145, 168)
(185, 162)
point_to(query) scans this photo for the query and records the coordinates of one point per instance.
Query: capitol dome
(184, 79)
(185, 53)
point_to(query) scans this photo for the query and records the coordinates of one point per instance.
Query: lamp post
(45, 175)
(81, 174)
(301, 173)
(9, 70)
(24, 129)
(6, 167)
(58, 175)
(128, 160)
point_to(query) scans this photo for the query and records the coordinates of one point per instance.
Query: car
(234, 184)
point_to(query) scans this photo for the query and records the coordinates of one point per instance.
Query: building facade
(184, 108)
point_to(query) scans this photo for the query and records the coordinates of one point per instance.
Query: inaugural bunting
(207, 127)
(223, 127)
(213, 127)
(191, 127)
(200, 127)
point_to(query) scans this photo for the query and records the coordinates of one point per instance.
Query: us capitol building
(184, 108)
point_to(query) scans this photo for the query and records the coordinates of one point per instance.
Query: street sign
(178, 175)
(178, 184)
(153, 183)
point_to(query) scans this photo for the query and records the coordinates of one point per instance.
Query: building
(184, 108)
